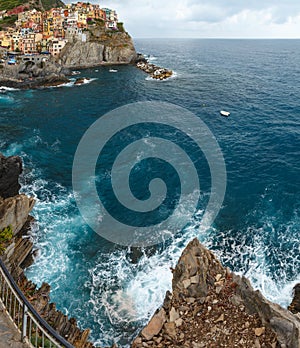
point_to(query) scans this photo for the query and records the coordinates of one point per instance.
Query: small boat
(113, 70)
(225, 113)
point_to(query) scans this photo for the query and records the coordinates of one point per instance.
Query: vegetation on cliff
(5, 236)
(39, 5)
(8, 21)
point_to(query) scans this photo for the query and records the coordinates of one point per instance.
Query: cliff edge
(16, 248)
(212, 307)
(98, 46)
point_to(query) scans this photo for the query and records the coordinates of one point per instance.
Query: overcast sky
(208, 18)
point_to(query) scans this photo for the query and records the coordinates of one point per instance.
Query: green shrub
(5, 236)
(121, 27)
(8, 21)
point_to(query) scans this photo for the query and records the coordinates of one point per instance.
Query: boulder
(155, 325)
(10, 169)
(14, 212)
(294, 307)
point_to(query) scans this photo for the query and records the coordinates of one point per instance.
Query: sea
(114, 289)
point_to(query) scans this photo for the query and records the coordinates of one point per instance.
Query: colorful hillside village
(48, 32)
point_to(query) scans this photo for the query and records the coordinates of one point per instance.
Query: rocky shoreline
(209, 305)
(30, 75)
(17, 252)
(154, 71)
(212, 307)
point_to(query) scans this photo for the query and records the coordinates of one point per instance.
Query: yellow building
(82, 17)
(16, 41)
(6, 40)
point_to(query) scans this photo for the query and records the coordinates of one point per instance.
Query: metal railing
(34, 330)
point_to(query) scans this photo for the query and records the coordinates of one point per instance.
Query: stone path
(10, 337)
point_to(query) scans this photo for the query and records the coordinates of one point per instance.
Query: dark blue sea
(258, 227)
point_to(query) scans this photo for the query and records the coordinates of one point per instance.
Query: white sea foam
(174, 76)
(127, 293)
(8, 89)
(72, 81)
(150, 58)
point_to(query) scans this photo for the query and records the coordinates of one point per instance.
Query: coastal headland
(42, 46)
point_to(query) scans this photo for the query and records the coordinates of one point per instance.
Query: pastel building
(56, 45)
(28, 43)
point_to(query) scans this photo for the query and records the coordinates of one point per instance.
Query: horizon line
(217, 38)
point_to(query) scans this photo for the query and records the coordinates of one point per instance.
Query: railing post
(24, 323)
(24, 314)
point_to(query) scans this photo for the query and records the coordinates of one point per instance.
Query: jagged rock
(285, 324)
(259, 331)
(294, 307)
(237, 314)
(31, 75)
(10, 169)
(170, 329)
(195, 261)
(154, 71)
(155, 325)
(14, 212)
(173, 314)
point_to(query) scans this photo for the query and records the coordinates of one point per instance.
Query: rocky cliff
(16, 251)
(31, 75)
(101, 47)
(212, 307)
(10, 169)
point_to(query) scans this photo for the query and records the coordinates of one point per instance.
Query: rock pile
(213, 307)
(154, 71)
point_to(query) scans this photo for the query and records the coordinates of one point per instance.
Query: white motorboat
(225, 113)
(113, 70)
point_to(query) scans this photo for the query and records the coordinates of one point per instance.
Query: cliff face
(31, 75)
(16, 252)
(101, 47)
(10, 169)
(212, 307)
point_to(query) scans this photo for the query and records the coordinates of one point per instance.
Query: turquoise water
(257, 229)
